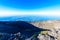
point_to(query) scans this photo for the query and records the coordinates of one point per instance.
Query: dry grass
(51, 24)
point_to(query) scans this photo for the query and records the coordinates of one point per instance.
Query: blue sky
(29, 4)
(29, 7)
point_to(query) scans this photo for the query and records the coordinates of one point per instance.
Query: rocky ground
(53, 32)
(53, 26)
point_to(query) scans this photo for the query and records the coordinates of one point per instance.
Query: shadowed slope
(12, 27)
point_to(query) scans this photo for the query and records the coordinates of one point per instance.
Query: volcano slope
(13, 27)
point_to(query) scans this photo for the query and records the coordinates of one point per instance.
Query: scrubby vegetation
(44, 32)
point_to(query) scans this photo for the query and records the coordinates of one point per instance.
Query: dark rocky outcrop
(26, 30)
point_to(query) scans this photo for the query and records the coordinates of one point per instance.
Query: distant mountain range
(22, 18)
(28, 18)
